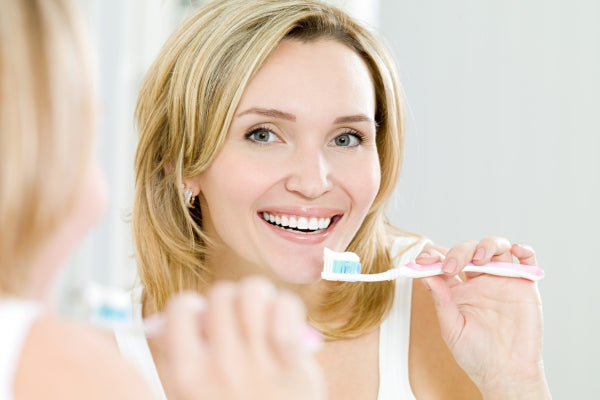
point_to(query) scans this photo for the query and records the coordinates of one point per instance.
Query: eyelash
(253, 131)
(351, 132)
(359, 136)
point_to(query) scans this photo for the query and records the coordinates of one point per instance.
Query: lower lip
(303, 238)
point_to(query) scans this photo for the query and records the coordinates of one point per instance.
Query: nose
(309, 174)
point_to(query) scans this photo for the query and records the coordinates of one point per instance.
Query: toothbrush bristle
(346, 267)
(341, 262)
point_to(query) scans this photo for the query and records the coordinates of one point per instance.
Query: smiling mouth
(296, 224)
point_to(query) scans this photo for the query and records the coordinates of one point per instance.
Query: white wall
(503, 139)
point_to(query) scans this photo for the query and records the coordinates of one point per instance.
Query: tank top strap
(16, 318)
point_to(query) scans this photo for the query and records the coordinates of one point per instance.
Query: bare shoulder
(434, 373)
(72, 361)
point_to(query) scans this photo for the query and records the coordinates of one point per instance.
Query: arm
(63, 360)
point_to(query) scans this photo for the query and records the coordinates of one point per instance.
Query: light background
(503, 136)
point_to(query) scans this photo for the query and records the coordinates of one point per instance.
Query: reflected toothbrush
(111, 309)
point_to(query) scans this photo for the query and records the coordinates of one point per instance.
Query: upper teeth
(291, 221)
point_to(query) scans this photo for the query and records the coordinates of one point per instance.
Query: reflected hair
(46, 119)
(184, 110)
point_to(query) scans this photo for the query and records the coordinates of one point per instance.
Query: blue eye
(348, 139)
(261, 135)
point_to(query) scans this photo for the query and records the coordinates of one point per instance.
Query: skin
(284, 156)
(242, 341)
(52, 341)
(293, 164)
(91, 366)
(63, 360)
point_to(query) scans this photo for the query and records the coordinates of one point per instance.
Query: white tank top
(134, 347)
(16, 317)
(394, 332)
(394, 335)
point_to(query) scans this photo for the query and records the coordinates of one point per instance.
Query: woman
(272, 129)
(51, 192)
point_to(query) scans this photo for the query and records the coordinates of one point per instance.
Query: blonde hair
(183, 113)
(45, 128)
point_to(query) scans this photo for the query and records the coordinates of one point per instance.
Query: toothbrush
(346, 267)
(111, 309)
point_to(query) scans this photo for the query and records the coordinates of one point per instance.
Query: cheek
(92, 201)
(231, 185)
(239, 177)
(364, 178)
(96, 195)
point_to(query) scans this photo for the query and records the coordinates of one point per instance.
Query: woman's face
(299, 169)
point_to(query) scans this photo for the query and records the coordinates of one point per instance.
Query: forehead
(314, 72)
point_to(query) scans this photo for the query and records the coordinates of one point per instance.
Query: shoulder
(433, 371)
(72, 361)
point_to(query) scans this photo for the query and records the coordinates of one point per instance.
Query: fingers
(272, 321)
(525, 254)
(255, 303)
(181, 337)
(246, 342)
(478, 253)
(431, 254)
(224, 332)
(492, 249)
(288, 324)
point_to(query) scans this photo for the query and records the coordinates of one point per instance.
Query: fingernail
(449, 266)
(479, 254)
(426, 283)
(525, 246)
(154, 325)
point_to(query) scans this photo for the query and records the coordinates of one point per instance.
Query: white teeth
(301, 223)
(324, 223)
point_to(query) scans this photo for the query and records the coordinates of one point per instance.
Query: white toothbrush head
(346, 267)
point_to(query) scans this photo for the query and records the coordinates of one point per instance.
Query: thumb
(450, 319)
(182, 337)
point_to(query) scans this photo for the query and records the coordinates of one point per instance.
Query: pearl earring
(188, 198)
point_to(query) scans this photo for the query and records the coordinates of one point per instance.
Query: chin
(299, 276)
(292, 265)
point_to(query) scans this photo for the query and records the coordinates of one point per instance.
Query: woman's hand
(492, 325)
(245, 342)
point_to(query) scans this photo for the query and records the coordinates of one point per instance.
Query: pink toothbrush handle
(495, 268)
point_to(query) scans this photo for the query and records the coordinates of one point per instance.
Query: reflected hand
(246, 345)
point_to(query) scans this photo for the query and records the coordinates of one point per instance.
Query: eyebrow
(274, 113)
(353, 118)
(269, 112)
